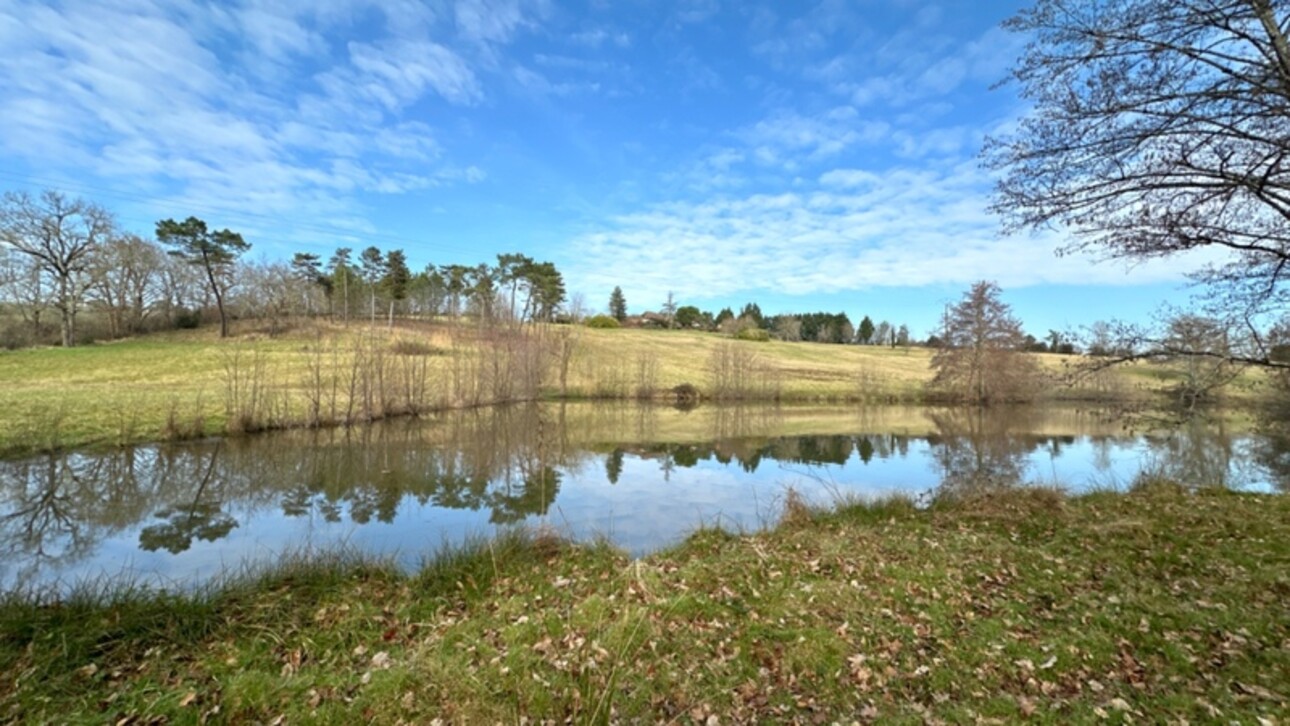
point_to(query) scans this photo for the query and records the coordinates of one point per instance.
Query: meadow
(187, 384)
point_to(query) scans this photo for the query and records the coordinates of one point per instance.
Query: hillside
(190, 383)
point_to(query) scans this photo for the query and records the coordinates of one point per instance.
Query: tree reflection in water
(512, 463)
(203, 519)
(980, 449)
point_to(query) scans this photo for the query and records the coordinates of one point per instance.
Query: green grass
(1156, 606)
(173, 385)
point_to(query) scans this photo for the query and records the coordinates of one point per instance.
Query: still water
(642, 476)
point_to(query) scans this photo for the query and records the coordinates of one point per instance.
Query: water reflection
(642, 475)
(977, 448)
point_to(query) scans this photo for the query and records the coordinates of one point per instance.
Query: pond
(643, 476)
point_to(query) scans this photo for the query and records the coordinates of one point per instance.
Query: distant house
(645, 320)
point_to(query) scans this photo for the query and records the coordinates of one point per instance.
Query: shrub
(404, 346)
(686, 396)
(754, 334)
(187, 320)
(602, 321)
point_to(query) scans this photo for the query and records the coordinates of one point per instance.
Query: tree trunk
(1280, 46)
(68, 328)
(219, 303)
(67, 321)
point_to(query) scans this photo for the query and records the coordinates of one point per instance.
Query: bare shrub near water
(736, 372)
(501, 361)
(366, 383)
(371, 379)
(41, 429)
(127, 422)
(565, 348)
(179, 427)
(463, 370)
(412, 382)
(245, 387)
(646, 374)
(609, 379)
(517, 359)
(320, 385)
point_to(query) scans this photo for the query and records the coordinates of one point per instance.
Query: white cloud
(787, 136)
(854, 230)
(696, 11)
(597, 37)
(276, 37)
(400, 72)
(253, 106)
(540, 85)
(491, 21)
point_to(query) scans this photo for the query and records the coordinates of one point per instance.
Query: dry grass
(174, 384)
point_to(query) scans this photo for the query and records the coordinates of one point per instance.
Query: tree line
(64, 260)
(817, 327)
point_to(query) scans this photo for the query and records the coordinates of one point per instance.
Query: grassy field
(1157, 606)
(190, 383)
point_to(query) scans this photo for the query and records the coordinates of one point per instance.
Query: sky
(808, 156)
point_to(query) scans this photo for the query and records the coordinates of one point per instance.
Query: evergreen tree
(214, 252)
(618, 304)
(395, 281)
(865, 333)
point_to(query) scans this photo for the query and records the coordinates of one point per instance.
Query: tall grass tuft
(179, 426)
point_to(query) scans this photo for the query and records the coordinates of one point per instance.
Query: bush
(404, 346)
(754, 334)
(602, 321)
(187, 320)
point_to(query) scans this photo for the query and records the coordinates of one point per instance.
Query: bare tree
(60, 234)
(24, 287)
(669, 310)
(788, 328)
(577, 308)
(127, 279)
(981, 359)
(181, 288)
(1157, 128)
(268, 291)
(1202, 377)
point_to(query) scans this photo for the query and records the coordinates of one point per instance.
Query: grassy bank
(185, 384)
(1159, 606)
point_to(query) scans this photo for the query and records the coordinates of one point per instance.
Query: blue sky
(804, 155)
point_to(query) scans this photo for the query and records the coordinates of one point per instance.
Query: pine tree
(618, 304)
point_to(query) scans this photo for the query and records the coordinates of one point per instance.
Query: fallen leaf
(1119, 704)
(188, 699)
